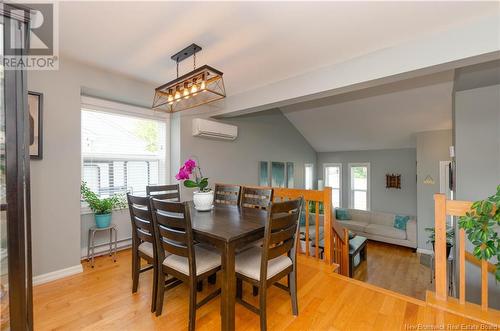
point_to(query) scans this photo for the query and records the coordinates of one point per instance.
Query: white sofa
(380, 227)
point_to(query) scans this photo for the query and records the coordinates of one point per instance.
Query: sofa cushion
(353, 225)
(385, 231)
(360, 215)
(380, 218)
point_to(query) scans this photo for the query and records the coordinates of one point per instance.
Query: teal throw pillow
(400, 222)
(342, 214)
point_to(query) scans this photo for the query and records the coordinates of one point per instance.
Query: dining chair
(277, 258)
(227, 194)
(143, 242)
(164, 192)
(256, 197)
(186, 261)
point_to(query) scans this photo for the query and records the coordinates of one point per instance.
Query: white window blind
(333, 179)
(122, 153)
(359, 197)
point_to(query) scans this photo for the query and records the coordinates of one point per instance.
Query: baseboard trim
(425, 251)
(103, 249)
(58, 274)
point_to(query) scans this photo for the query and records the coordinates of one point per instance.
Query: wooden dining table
(228, 227)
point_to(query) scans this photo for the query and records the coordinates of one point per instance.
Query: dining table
(228, 227)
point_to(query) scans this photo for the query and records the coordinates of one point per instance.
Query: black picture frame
(35, 110)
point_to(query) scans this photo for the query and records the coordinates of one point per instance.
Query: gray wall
(55, 180)
(477, 146)
(432, 147)
(264, 136)
(400, 161)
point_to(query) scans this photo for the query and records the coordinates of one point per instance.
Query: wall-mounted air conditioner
(212, 129)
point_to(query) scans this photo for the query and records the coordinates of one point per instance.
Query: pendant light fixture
(198, 87)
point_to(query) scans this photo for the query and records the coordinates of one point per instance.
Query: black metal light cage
(200, 86)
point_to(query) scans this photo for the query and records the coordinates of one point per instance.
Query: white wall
(382, 162)
(55, 180)
(432, 147)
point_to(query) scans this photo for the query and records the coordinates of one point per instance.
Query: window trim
(368, 186)
(306, 165)
(335, 164)
(111, 107)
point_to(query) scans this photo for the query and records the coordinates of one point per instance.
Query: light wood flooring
(395, 268)
(101, 299)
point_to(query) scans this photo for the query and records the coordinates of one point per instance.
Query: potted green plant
(481, 226)
(450, 234)
(102, 208)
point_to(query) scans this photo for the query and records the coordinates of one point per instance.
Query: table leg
(228, 287)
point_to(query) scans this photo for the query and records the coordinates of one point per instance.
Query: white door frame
(443, 168)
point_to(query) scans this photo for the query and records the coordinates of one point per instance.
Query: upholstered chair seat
(248, 263)
(205, 260)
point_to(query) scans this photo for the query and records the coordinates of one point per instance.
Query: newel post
(440, 258)
(327, 210)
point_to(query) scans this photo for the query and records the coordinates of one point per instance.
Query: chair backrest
(164, 192)
(227, 194)
(142, 220)
(256, 197)
(172, 222)
(281, 232)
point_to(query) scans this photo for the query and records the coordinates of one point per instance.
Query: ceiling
(254, 44)
(383, 117)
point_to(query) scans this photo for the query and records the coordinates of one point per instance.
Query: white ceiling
(384, 117)
(254, 44)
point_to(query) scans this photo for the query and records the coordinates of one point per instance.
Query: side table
(91, 242)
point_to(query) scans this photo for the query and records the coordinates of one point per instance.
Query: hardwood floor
(101, 299)
(395, 268)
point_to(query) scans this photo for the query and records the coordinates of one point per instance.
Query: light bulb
(170, 98)
(202, 86)
(177, 95)
(194, 88)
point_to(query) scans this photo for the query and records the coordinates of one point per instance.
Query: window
(359, 189)
(309, 176)
(333, 179)
(122, 152)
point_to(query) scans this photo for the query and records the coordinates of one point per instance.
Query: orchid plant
(192, 169)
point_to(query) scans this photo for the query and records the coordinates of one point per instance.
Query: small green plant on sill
(481, 226)
(101, 206)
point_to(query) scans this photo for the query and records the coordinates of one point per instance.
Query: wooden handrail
(457, 208)
(336, 238)
(477, 262)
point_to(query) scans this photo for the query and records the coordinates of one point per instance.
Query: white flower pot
(203, 201)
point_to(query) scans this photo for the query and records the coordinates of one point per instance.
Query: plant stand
(112, 243)
(449, 269)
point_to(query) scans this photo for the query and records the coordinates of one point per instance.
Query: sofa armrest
(411, 230)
